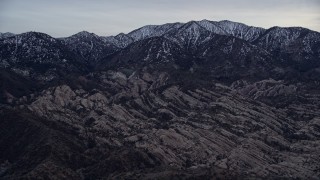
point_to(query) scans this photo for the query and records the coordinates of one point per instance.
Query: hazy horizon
(64, 18)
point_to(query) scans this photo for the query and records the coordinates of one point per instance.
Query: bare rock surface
(203, 129)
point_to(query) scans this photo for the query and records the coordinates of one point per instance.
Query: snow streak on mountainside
(153, 30)
(190, 35)
(228, 28)
(38, 55)
(89, 45)
(121, 40)
(290, 46)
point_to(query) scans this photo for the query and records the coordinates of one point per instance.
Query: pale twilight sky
(60, 18)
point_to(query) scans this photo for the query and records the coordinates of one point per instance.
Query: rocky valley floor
(142, 127)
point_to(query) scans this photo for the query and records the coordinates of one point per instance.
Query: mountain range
(195, 100)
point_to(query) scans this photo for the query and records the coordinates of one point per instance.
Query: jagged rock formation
(199, 100)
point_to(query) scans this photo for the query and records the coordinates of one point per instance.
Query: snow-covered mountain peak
(279, 37)
(143, 32)
(85, 34)
(288, 31)
(34, 38)
(194, 33)
(122, 34)
(211, 26)
(193, 28)
(189, 35)
(6, 34)
(153, 30)
(240, 30)
(204, 20)
(36, 34)
(191, 24)
(229, 25)
(121, 40)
